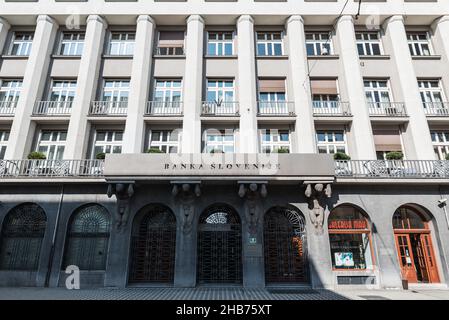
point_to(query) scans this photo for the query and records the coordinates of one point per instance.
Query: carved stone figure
(186, 194)
(123, 193)
(252, 194)
(317, 203)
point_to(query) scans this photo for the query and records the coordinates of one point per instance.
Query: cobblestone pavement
(215, 294)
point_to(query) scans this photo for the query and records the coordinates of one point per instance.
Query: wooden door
(405, 256)
(429, 256)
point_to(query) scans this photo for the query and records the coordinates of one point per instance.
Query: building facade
(216, 142)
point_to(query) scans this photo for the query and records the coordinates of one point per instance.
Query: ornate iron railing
(52, 108)
(387, 109)
(392, 168)
(108, 108)
(436, 109)
(164, 108)
(220, 108)
(51, 168)
(7, 108)
(276, 108)
(331, 108)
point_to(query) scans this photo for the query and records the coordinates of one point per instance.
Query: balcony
(52, 108)
(393, 169)
(221, 108)
(7, 108)
(108, 108)
(275, 108)
(387, 109)
(436, 109)
(331, 108)
(164, 108)
(51, 168)
(169, 51)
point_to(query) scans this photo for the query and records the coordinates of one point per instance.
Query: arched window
(408, 218)
(88, 238)
(21, 238)
(350, 239)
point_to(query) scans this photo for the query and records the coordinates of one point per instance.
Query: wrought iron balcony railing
(51, 168)
(8, 108)
(221, 108)
(436, 109)
(108, 108)
(331, 108)
(275, 108)
(52, 108)
(387, 109)
(164, 108)
(392, 168)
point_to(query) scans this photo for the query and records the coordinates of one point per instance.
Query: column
(418, 134)
(4, 28)
(34, 80)
(305, 128)
(247, 84)
(361, 132)
(192, 86)
(440, 28)
(88, 73)
(139, 86)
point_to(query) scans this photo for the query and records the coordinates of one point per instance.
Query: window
(52, 144)
(4, 136)
(63, 92)
(220, 43)
(318, 43)
(431, 94)
(88, 238)
(170, 43)
(107, 142)
(368, 43)
(72, 44)
(440, 141)
(377, 93)
(115, 95)
(167, 141)
(350, 239)
(121, 44)
(331, 141)
(21, 238)
(9, 94)
(274, 140)
(419, 43)
(219, 141)
(168, 91)
(220, 90)
(387, 140)
(21, 43)
(269, 43)
(324, 93)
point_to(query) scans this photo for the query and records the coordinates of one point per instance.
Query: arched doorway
(21, 238)
(414, 245)
(285, 246)
(153, 246)
(219, 246)
(88, 238)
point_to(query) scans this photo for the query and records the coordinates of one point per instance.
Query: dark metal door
(285, 247)
(219, 247)
(153, 247)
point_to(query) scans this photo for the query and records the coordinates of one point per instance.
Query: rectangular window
(9, 92)
(72, 44)
(377, 92)
(419, 43)
(274, 140)
(431, 96)
(4, 136)
(324, 93)
(165, 141)
(220, 43)
(331, 142)
(107, 142)
(350, 251)
(170, 43)
(220, 90)
(386, 140)
(21, 43)
(52, 144)
(63, 91)
(219, 141)
(122, 44)
(440, 141)
(167, 97)
(318, 44)
(368, 43)
(269, 43)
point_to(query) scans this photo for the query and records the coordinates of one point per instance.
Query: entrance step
(427, 286)
(290, 288)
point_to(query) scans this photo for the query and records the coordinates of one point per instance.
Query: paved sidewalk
(216, 294)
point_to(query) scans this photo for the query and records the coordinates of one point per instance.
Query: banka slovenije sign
(232, 164)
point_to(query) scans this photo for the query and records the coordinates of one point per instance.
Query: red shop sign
(348, 224)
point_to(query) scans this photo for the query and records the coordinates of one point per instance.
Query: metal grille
(88, 238)
(21, 238)
(285, 246)
(219, 246)
(153, 246)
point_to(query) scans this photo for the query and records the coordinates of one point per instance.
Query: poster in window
(344, 259)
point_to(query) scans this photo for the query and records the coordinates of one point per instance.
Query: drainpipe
(53, 239)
